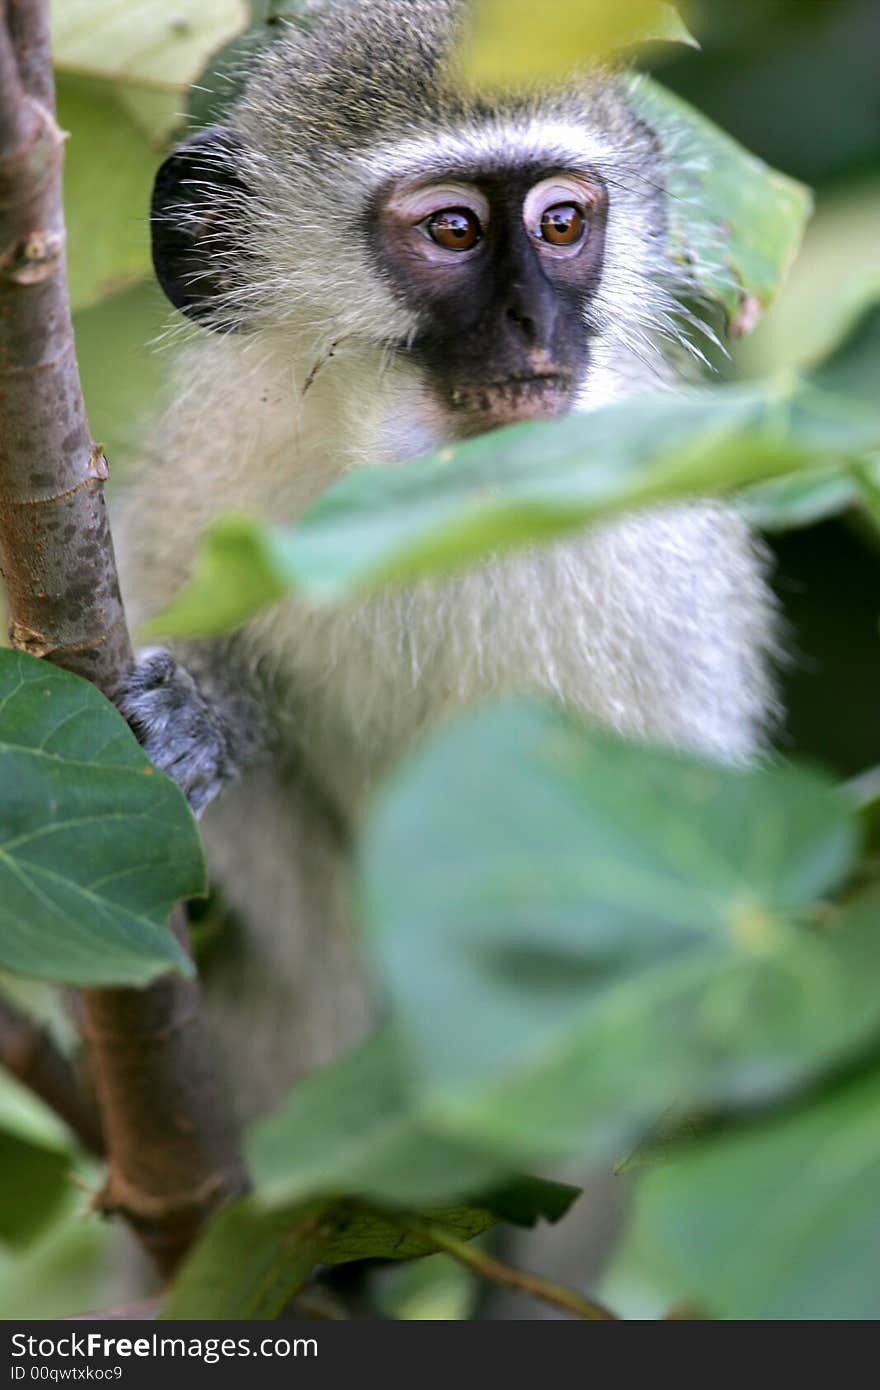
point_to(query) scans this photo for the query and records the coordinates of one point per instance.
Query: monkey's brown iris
(456, 229)
(563, 225)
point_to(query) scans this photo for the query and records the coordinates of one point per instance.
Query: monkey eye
(455, 229)
(563, 224)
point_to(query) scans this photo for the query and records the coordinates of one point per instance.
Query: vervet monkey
(379, 262)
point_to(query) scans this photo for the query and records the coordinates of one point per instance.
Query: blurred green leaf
(575, 933)
(852, 365)
(530, 482)
(35, 1183)
(357, 1128)
(96, 846)
(736, 223)
(108, 174)
(836, 273)
(798, 500)
(240, 570)
(151, 52)
(515, 41)
(852, 369)
(435, 1289)
(122, 370)
(253, 1258)
(64, 1271)
(122, 82)
(777, 1221)
(27, 1117)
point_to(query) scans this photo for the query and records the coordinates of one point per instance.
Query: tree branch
(173, 1152)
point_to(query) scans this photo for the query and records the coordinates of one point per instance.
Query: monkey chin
(482, 406)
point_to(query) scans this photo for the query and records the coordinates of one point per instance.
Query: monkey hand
(176, 726)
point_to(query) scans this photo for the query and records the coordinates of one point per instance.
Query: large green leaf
(96, 846)
(777, 1221)
(531, 482)
(576, 933)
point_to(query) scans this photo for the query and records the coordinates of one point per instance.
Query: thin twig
(557, 1295)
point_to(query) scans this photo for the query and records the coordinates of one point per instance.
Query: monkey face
(499, 267)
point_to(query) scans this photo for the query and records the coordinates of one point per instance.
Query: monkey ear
(195, 222)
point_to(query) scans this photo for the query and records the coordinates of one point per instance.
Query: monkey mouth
(487, 405)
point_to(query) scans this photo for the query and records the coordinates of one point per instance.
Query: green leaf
(35, 1160)
(515, 486)
(356, 1128)
(576, 933)
(254, 1257)
(851, 371)
(108, 174)
(64, 1272)
(96, 846)
(34, 1186)
(436, 1289)
(851, 366)
(798, 500)
(144, 51)
(240, 569)
(515, 41)
(252, 1261)
(776, 1221)
(122, 373)
(733, 221)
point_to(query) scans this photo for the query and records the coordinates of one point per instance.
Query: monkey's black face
(500, 268)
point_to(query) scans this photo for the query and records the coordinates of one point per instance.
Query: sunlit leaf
(149, 51)
(108, 174)
(516, 41)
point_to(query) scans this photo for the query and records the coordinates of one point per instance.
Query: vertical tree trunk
(173, 1152)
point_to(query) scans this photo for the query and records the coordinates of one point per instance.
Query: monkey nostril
(523, 320)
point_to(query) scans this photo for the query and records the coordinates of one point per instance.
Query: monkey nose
(531, 316)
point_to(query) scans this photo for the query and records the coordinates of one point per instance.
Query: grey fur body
(659, 625)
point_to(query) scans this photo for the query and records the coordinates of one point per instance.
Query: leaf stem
(496, 1272)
